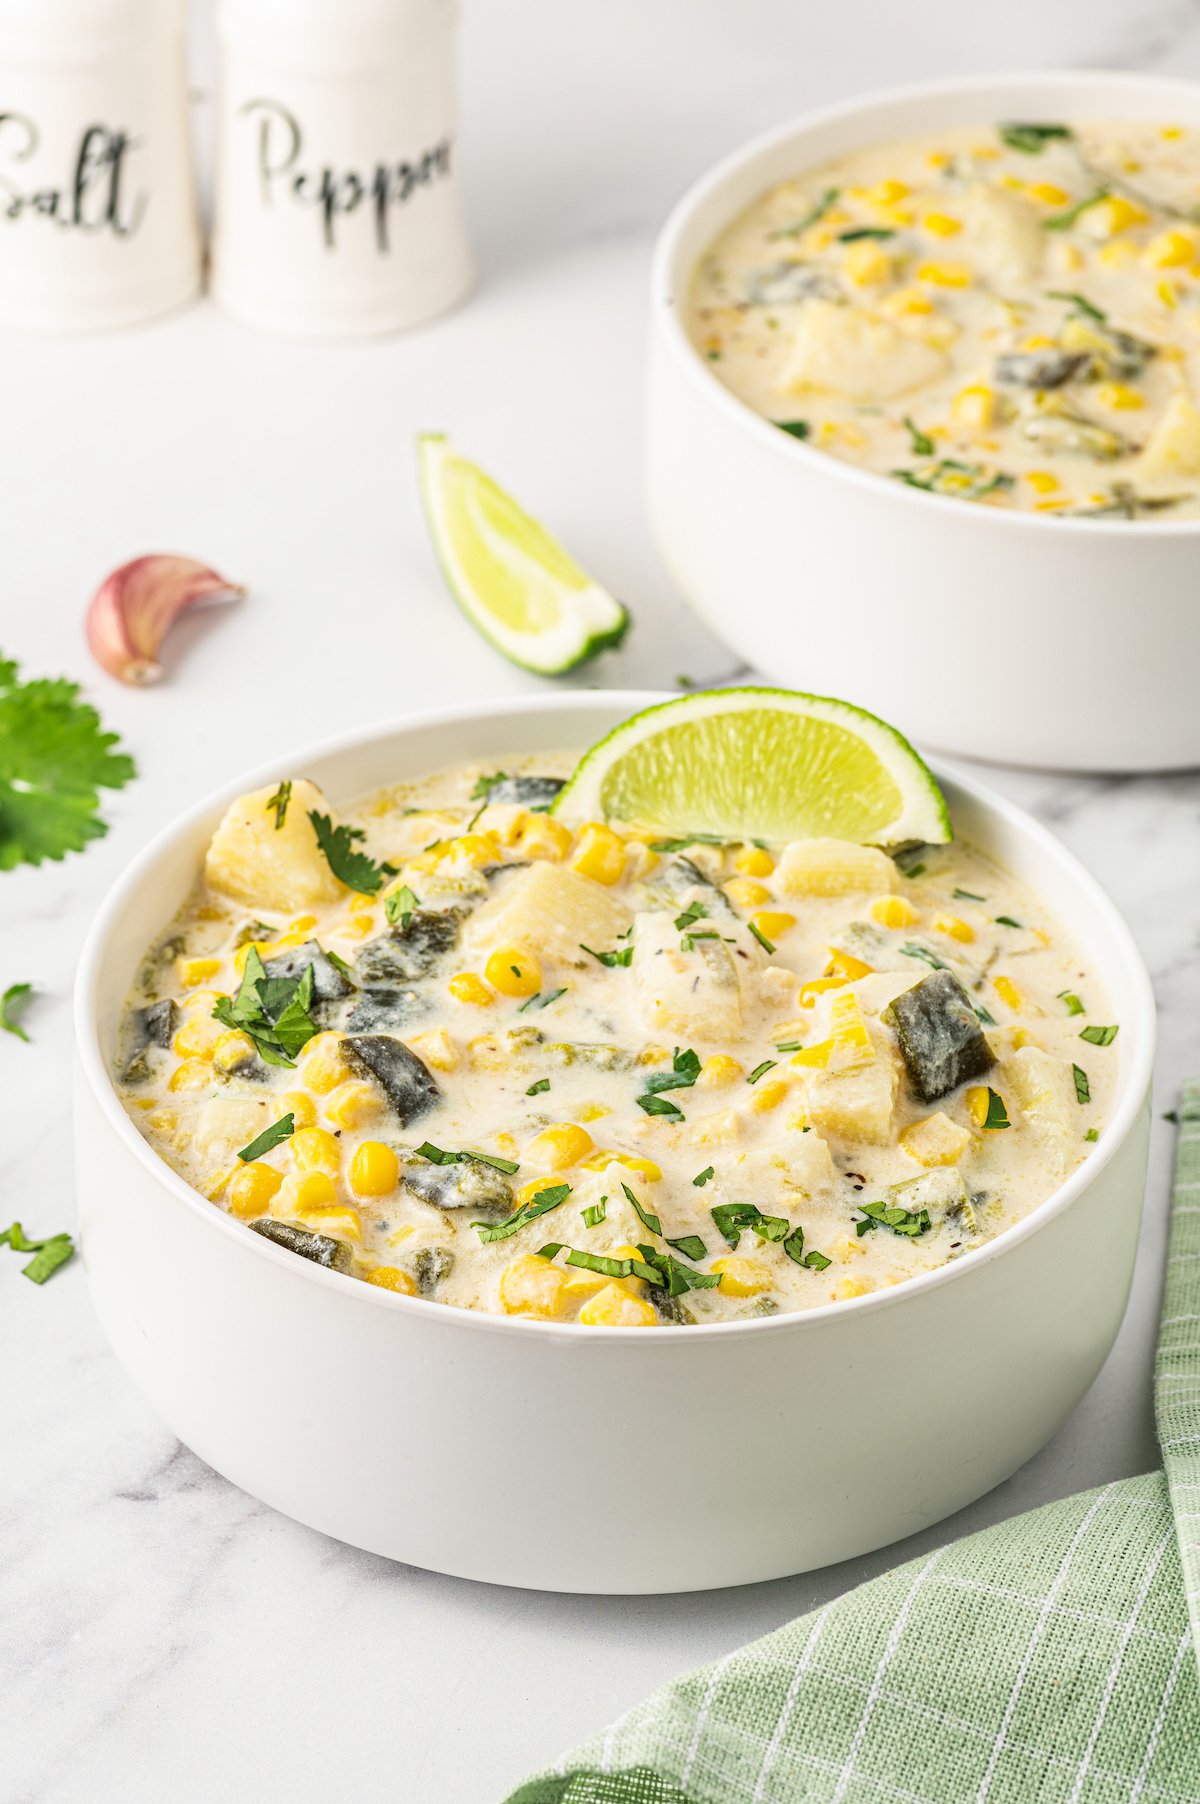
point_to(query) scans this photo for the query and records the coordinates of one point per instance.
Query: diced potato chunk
(280, 869)
(853, 1105)
(1003, 233)
(227, 1123)
(553, 911)
(855, 354)
(1172, 452)
(1044, 1087)
(834, 867)
(935, 1141)
(692, 995)
(802, 1163)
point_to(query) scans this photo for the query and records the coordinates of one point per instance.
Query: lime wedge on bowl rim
(766, 764)
(510, 577)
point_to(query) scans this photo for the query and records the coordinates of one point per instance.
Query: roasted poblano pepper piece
(942, 1192)
(408, 1084)
(784, 283)
(429, 1266)
(409, 950)
(329, 984)
(467, 1185)
(528, 792)
(383, 1008)
(151, 1026)
(1056, 429)
(322, 1249)
(680, 882)
(939, 1035)
(1039, 369)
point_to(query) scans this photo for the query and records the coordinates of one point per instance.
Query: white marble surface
(161, 1635)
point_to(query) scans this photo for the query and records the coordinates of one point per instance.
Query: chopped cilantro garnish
(761, 1070)
(1083, 1090)
(997, 1114)
(613, 1268)
(538, 1089)
(54, 760)
(1031, 139)
(594, 1214)
(967, 895)
(922, 444)
(485, 785)
(1074, 1005)
(399, 905)
(437, 1156)
(816, 212)
(551, 1250)
(761, 937)
(694, 911)
(731, 1218)
(623, 957)
(339, 963)
(275, 1135)
(797, 428)
(1059, 222)
(272, 1010)
(983, 1015)
(350, 867)
(693, 839)
(911, 950)
(541, 1204)
(908, 1222)
(1099, 1036)
(858, 232)
(701, 1178)
(793, 1246)
(1007, 921)
(15, 997)
(676, 1277)
(279, 802)
(541, 1000)
(645, 1216)
(1080, 303)
(660, 1105)
(685, 1069)
(48, 1254)
(1092, 1134)
(689, 1244)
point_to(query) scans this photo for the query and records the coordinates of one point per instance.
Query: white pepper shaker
(337, 207)
(98, 220)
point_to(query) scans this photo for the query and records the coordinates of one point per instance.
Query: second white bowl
(1071, 644)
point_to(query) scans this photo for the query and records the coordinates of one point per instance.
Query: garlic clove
(135, 606)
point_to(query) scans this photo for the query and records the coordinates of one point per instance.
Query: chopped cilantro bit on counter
(400, 905)
(275, 1135)
(701, 1178)
(349, 866)
(1083, 1090)
(279, 802)
(1099, 1036)
(55, 757)
(15, 997)
(48, 1254)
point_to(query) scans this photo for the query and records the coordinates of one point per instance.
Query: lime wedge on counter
(509, 576)
(760, 764)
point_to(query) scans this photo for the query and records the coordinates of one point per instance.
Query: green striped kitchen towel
(1048, 1660)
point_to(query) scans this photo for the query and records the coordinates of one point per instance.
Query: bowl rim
(668, 283)
(1139, 1032)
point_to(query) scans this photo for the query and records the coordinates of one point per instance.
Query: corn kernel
(300, 1107)
(844, 964)
(1172, 250)
(532, 1286)
(213, 1186)
(718, 1129)
(753, 861)
(905, 300)
(468, 987)
(977, 1104)
(338, 1219)
(866, 264)
(390, 1277)
(193, 971)
(359, 904)
(315, 1149)
(945, 275)
(321, 1064)
(1049, 193)
(891, 911)
(513, 972)
(251, 1190)
(198, 1037)
(742, 1277)
(1171, 131)
(975, 406)
(307, 1190)
(1119, 396)
(773, 923)
(813, 1058)
(475, 848)
(359, 927)
(645, 1168)
(614, 1307)
(745, 892)
(560, 1146)
(768, 1096)
(600, 854)
(233, 1050)
(815, 987)
(1167, 293)
(1112, 215)
(942, 225)
(192, 1074)
(593, 1111)
(935, 1141)
(435, 1049)
(353, 1104)
(201, 1002)
(584, 1284)
(954, 928)
(542, 837)
(1008, 993)
(718, 1071)
(374, 1169)
(851, 1287)
(1042, 482)
(886, 193)
(851, 1038)
(1120, 254)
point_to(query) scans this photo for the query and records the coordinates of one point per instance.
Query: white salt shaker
(98, 221)
(337, 206)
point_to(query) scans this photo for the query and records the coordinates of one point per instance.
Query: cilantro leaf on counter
(271, 1137)
(48, 1254)
(349, 866)
(279, 802)
(15, 997)
(54, 759)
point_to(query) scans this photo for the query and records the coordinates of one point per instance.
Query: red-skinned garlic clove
(135, 607)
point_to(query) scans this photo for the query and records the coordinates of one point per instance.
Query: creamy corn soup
(455, 1048)
(1009, 316)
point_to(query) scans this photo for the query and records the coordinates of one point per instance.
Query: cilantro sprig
(269, 1139)
(48, 1254)
(349, 866)
(274, 1011)
(15, 997)
(54, 759)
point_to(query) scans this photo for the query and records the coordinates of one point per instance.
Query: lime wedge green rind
(511, 578)
(760, 763)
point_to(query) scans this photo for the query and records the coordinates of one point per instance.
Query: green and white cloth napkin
(1049, 1660)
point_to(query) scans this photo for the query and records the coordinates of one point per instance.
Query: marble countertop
(163, 1636)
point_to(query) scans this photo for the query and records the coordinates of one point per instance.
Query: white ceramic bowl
(596, 1459)
(1012, 636)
